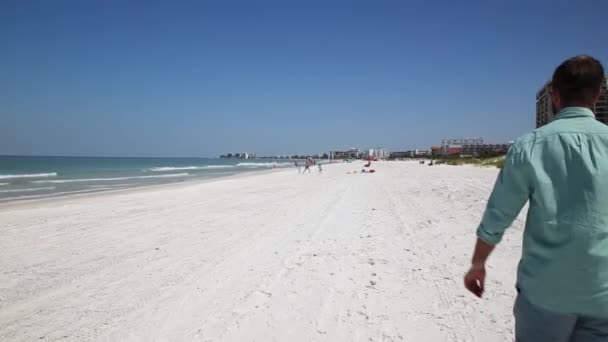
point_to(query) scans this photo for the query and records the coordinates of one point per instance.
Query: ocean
(28, 177)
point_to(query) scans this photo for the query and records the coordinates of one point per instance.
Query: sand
(263, 257)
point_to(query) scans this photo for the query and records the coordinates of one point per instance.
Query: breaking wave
(179, 168)
(81, 180)
(27, 190)
(32, 175)
(268, 164)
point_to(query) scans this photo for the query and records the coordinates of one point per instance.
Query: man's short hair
(578, 80)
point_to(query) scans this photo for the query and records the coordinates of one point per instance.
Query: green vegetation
(498, 162)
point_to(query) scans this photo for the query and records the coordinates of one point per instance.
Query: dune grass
(498, 162)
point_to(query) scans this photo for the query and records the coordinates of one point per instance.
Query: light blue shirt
(562, 170)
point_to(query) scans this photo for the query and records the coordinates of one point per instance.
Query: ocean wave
(219, 166)
(33, 175)
(28, 190)
(268, 164)
(179, 168)
(82, 180)
(2, 184)
(111, 185)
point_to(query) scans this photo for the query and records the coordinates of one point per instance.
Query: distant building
(355, 153)
(450, 146)
(238, 156)
(601, 107)
(485, 150)
(468, 147)
(453, 151)
(352, 153)
(378, 153)
(399, 155)
(408, 154)
(462, 141)
(381, 153)
(544, 108)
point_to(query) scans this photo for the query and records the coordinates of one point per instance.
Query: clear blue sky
(201, 78)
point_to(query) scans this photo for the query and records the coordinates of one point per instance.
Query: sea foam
(82, 180)
(27, 190)
(269, 164)
(32, 175)
(179, 168)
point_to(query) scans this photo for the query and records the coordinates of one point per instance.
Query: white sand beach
(263, 257)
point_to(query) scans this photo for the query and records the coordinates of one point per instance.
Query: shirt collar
(574, 112)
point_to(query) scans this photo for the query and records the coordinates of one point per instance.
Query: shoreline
(51, 198)
(14, 202)
(38, 177)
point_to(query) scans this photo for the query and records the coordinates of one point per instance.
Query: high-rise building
(451, 146)
(544, 108)
(601, 107)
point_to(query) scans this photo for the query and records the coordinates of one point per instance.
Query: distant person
(298, 166)
(562, 169)
(307, 165)
(320, 168)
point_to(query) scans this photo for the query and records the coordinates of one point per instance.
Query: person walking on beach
(298, 166)
(562, 170)
(307, 165)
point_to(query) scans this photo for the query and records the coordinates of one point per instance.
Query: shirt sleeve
(511, 192)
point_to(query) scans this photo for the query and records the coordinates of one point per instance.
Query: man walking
(562, 170)
(307, 165)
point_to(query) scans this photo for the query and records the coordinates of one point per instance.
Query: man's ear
(556, 99)
(596, 98)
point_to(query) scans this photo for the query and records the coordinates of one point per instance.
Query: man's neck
(590, 107)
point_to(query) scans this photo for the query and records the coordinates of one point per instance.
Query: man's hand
(474, 279)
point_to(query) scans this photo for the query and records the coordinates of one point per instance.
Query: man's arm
(481, 253)
(511, 191)
(474, 280)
